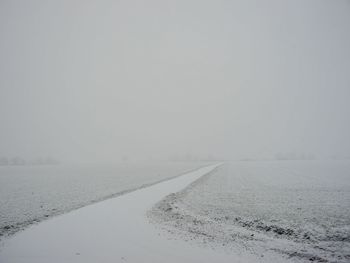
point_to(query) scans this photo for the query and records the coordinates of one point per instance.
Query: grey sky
(96, 80)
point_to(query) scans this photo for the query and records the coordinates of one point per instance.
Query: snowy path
(115, 230)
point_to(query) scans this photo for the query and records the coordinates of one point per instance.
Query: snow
(29, 194)
(115, 230)
(298, 210)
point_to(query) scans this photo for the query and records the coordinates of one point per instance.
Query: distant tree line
(17, 161)
(294, 156)
(192, 158)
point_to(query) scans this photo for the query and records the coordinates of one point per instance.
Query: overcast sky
(97, 80)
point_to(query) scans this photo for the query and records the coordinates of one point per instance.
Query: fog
(107, 80)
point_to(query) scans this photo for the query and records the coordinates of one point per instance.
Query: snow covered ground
(287, 211)
(30, 194)
(299, 210)
(116, 230)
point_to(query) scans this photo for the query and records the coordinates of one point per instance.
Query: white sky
(96, 80)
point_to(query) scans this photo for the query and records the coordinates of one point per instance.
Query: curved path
(115, 230)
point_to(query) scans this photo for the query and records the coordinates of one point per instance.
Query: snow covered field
(271, 211)
(299, 210)
(115, 230)
(30, 194)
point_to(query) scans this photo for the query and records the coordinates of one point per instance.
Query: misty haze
(174, 131)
